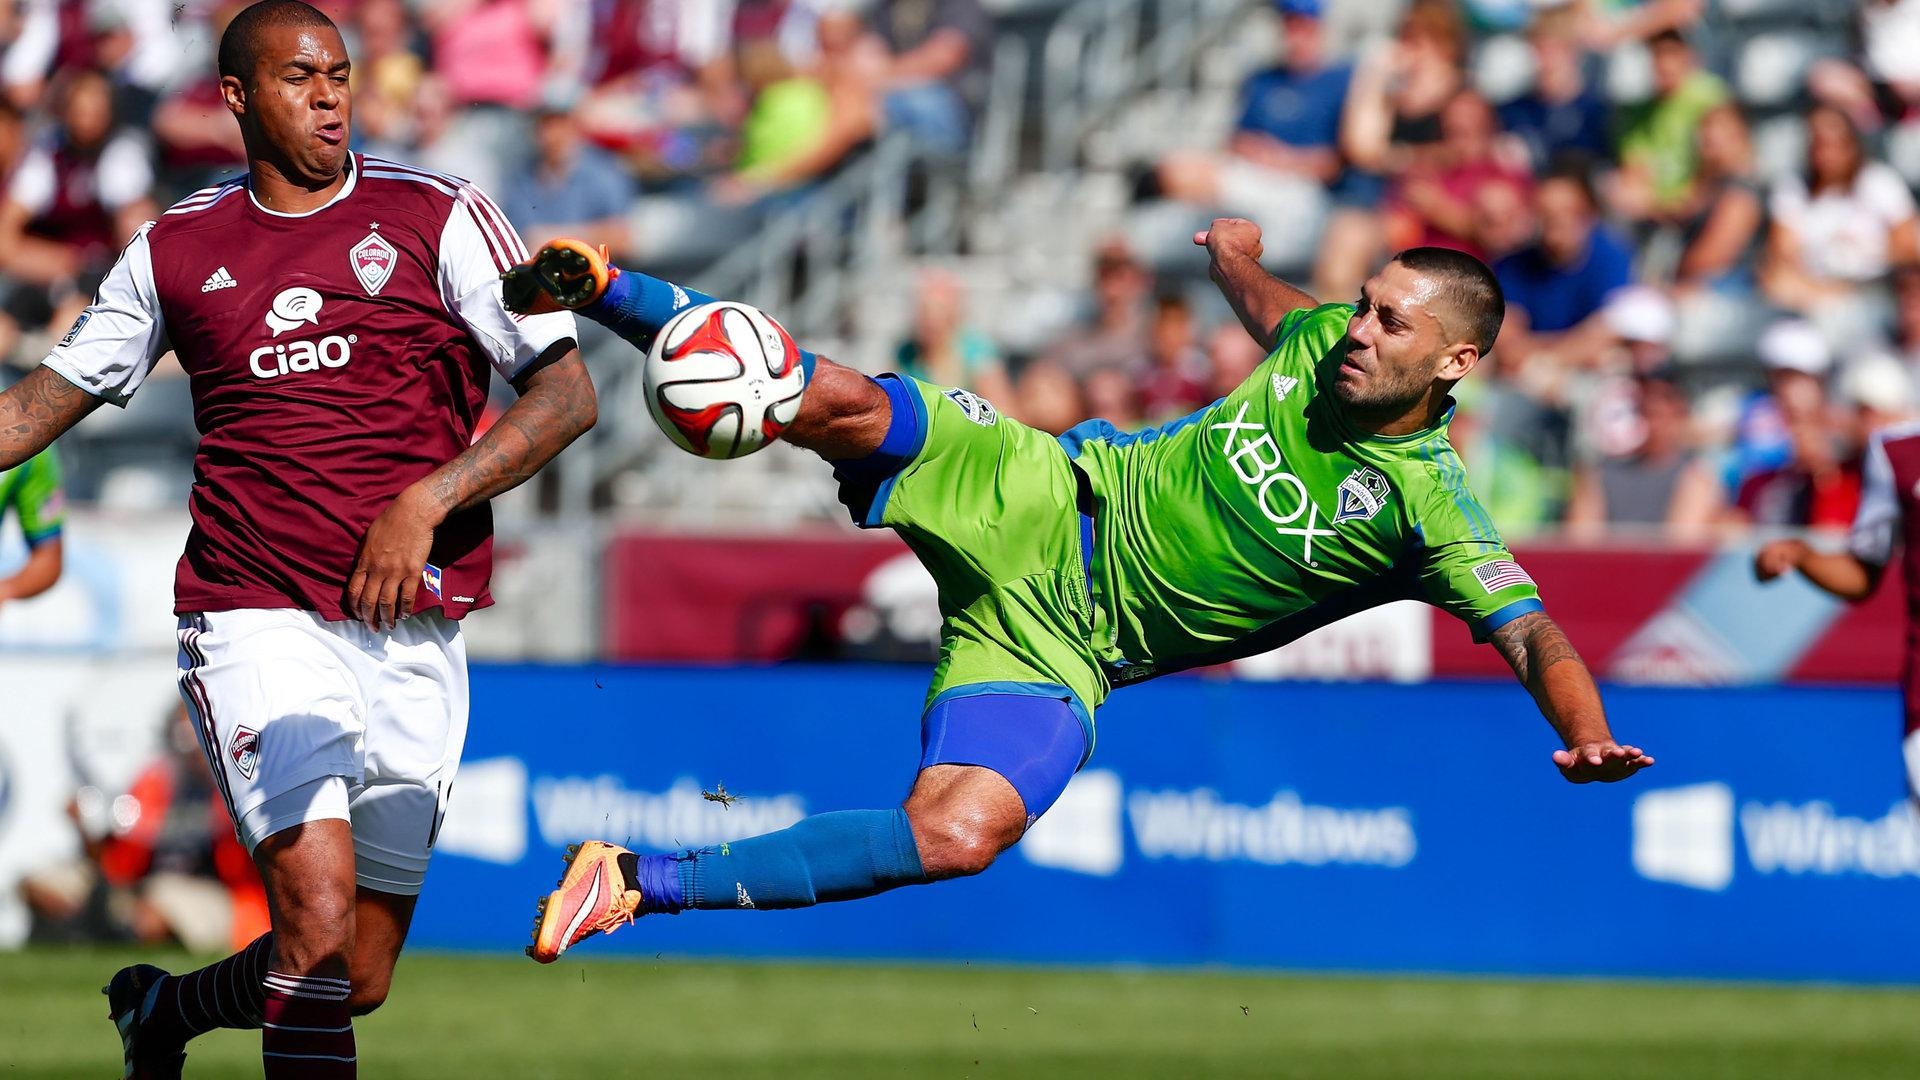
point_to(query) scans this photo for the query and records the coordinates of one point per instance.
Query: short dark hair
(1669, 36)
(1576, 168)
(1467, 286)
(240, 45)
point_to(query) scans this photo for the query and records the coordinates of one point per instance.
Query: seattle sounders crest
(1362, 495)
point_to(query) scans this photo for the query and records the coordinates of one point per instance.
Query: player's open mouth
(333, 134)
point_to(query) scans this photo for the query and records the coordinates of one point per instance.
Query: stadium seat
(1902, 151)
(1772, 69)
(1738, 11)
(1629, 75)
(1717, 329)
(1503, 68)
(1779, 146)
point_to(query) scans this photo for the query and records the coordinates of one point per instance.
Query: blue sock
(844, 855)
(636, 306)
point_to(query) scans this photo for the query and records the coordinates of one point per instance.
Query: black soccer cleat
(128, 1004)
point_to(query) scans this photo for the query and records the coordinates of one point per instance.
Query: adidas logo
(218, 280)
(1283, 385)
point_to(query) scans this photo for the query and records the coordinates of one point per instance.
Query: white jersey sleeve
(125, 173)
(30, 57)
(1877, 521)
(113, 344)
(34, 182)
(476, 247)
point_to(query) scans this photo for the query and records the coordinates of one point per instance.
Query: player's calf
(380, 925)
(306, 1021)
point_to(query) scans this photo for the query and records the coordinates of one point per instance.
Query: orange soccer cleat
(564, 274)
(593, 898)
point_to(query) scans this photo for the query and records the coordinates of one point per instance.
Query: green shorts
(990, 506)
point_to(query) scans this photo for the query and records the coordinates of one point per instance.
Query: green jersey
(32, 491)
(1268, 515)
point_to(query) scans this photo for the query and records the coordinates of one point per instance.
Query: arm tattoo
(1533, 643)
(36, 410)
(557, 407)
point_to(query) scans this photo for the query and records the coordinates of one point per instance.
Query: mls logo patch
(1362, 495)
(373, 259)
(977, 408)
(430, 577)
(74, 330)
(244, 749)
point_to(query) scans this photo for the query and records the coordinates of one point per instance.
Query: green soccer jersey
(31, 491)
(1267, 515)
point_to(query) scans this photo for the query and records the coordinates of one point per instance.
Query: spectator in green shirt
(32, 492)
(1658, 138)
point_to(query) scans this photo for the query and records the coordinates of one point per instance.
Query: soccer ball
(723, 379)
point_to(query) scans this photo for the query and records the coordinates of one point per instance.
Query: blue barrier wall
(1294, 825)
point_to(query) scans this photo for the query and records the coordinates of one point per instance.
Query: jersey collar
(352, 170)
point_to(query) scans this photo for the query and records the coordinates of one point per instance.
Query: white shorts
(304, 719)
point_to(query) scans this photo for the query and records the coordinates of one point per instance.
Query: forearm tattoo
(1533, 643)
(35, 411)
(556, 409)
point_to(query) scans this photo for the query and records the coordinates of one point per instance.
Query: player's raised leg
(991, 764)
(843, 415)
(991, 507)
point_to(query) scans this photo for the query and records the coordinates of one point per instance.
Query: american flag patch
(1501, 574)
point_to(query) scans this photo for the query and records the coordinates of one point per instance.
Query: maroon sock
(306, 1031)
(227, 994)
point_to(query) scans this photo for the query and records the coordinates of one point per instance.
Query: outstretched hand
(1603, 761)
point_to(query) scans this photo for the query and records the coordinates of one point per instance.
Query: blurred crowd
(157, 863)
(1702, 214)
(1709, 263)
(666, 128)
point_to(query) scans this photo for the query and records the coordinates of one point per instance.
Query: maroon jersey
(336, 357)
(1890, 514)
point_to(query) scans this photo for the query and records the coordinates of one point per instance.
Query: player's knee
(313, 929)
(959, 843)
(303, 946)
(368, 994)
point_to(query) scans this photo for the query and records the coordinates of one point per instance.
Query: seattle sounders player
(1324, 485)
(31, 491)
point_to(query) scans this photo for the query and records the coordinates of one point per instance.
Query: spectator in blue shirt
(572, 188)
(1564, 110)
(1556, 287)
(1284, 152)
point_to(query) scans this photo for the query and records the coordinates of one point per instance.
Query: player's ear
(234, 92)
(1458, 361)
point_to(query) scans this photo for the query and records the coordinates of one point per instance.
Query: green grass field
(459, 1016)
